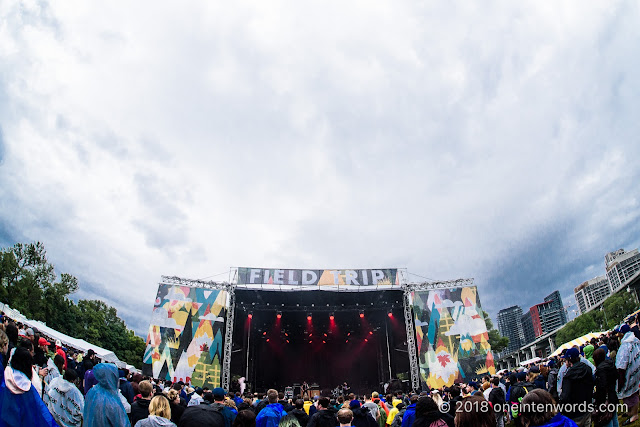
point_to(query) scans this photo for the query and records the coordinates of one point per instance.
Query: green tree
(496, 341)
(25, 275)
(28, 283)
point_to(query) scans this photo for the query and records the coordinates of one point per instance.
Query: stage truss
(407, 288)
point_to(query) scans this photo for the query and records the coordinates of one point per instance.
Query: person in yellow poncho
(393, 411)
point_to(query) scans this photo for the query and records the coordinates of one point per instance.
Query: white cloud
(141, 140)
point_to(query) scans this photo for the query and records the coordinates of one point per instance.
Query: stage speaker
(313, 393)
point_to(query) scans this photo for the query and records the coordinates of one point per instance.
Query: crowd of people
(45, 384)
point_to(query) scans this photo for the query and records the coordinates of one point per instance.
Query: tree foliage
(496, 341)
(28, 283)
(612, 313)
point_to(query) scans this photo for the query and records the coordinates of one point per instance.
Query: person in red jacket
(61, 352)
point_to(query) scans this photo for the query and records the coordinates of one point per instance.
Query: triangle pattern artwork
(186, 333)
(452, 337)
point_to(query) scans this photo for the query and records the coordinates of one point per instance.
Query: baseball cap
(58, 343)
(354, 404)
(551, 363)
(534, 369)
(218, 392)
(572, 352)
(28, 332)
(625, 328)
(43, 341)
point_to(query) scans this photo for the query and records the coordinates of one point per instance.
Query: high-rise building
(621, 266)
(527, 328)
(547, 316)
(510, 326)
(592, 292)
(555, 298)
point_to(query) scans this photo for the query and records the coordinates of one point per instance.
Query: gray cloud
(495, 142)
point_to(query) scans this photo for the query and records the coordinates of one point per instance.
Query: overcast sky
(498, 141)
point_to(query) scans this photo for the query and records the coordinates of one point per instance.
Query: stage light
(390, 313)
(309, 317)
(325, 335)
(324, 342)
(279, 315)
(264, 333)
(331, 316)
(347, 341)
(250, 315)
(366, 340)
(267, 339)
(370, 332)
(311, 335)
(361, 314)
(310, 342)
(287, 341)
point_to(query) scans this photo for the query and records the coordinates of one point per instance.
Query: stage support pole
(386, 329)
(246, 376)
(411, 340)
(228, 338)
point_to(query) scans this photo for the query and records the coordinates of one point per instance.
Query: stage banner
(451, 335)
(274, 276)
(186, 334)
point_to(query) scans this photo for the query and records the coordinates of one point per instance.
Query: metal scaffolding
(228, 337)
(414, 368)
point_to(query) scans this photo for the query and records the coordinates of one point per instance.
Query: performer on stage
(305, 389)
(345, 388)
(243, 386)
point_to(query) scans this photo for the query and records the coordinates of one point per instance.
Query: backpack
(518, 391)
(382, 421)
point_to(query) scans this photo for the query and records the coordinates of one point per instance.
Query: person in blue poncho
(20, 403)
(102, 406)
(530, 416)
(271, 415)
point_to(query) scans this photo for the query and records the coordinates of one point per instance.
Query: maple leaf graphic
(444, 359)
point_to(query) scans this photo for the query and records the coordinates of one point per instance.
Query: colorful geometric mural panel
(186, 332)
(452, 336)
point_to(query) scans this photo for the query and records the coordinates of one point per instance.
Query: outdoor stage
(319, 337)
(279, 327)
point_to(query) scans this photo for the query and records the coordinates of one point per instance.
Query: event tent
(78, 344)
(530, 361)
(578, 341)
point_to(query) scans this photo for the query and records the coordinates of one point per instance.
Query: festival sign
(186, 334)
(452, 337)
(274, 276)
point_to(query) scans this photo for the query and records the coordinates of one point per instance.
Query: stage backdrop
(186, 334)
(452, 337)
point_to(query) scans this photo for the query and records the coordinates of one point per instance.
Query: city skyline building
(548, 315)
(527, 328)
(621, 266)
(592, 292)
(510, 326)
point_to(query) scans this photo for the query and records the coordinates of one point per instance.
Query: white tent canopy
(530, 361)
(103, 354)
